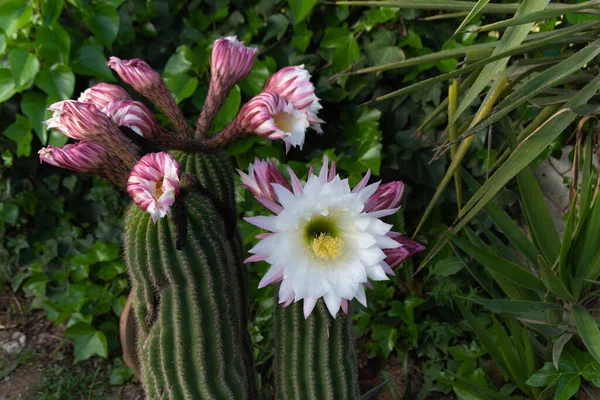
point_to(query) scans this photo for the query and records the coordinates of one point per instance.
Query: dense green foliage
(60, 233)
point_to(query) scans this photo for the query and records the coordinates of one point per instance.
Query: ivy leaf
(2, 44)
(34, 105)
(385, 54)
(24, 67)
(103, 21)
(385, 337)
(88, 341)
(344, 45)
(14, 15)
(57, 81)
(254, 82)
(182, 86)
(180, 62)
(51, 10)
(301, 38)
(54, 44)
(7, 84)
(301, 8)
(89, 60)
(277, 25)
(20, 133)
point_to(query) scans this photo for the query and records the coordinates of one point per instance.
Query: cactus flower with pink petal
(154, 183)
(273, 117)
(134, 115)
(136, 73)
(230, 62)
(293, 83)
(260, 179)
(78, 120)
(102, 94)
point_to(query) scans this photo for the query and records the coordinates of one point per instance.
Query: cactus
(192, 336)
(314, 357)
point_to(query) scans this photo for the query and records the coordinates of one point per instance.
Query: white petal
(333, 302)
(309, 304)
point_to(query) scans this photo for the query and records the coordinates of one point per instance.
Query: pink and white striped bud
(154, 183)
(260, 179)
(87, 158)
(387, 196)
(134, 115)
(230, 62)
(102, 94)
(77, 120)
(408, 248)
(293, 83)
(136, 73)
(273, 117)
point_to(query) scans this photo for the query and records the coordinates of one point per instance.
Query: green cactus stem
(315, 357)
(193, 341)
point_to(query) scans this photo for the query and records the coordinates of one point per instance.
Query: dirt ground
(41, 366)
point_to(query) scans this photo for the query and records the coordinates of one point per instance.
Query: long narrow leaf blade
(588, 330)
(474, 11)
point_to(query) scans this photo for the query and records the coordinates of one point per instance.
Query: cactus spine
(193, 341)
(314, 357)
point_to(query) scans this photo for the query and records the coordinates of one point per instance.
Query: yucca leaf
(485, 338)
(517, 307)
(538, 16)
(437, 5)
(547, 79)
(504, 268)
(552, 282)
(527, 151)
(474, 11)
(588, 330)
(558, 347)
(510, 354)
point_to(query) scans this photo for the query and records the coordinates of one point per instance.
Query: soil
(22, 372)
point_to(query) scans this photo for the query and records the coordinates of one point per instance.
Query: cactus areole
(324, 241)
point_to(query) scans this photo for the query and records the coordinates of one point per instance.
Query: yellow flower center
(159, 189)
(327, 247)
(284, 121)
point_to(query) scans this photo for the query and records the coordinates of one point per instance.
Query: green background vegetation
(501, 308)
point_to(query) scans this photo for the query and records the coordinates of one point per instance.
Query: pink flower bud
(87, 158)
(271, 116)
(78, 120)
(408, 248)
(154, 183)
(387, 196)
(230, 62)
(102, 94)
(134, 115)
(136, 73)
(260, 179)
(293, 84)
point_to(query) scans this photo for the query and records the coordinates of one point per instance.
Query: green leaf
(277, 25)
(24, 67)
(526, 152)
(88, 341)
(34, 105)
(180, 62)
(344, 45)
(485, 338)
(182, 86)
(254, 82)
(14, 15)
(514, 306)
(385, 55)
(301, 8)
(512, 37)
(57, 81)
(89, 60)
(588, 330)
(7, 84)
(54, 44)
(229, 109)
(106, 251)
(301, 38)
(51, 10)
(502, 267)
(474, 11)
(553, 282)
(103, 21)
(9, 213)
(2, 43)
(20, 133)
(544, 377)
(566, 386)
(558, 347)
(448, 267)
